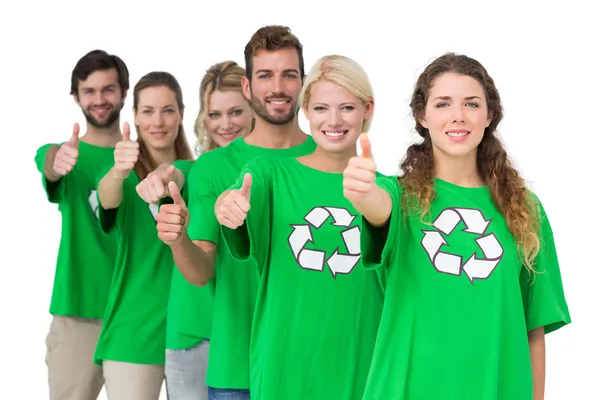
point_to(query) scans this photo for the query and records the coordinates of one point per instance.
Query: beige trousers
(127, 381)
(70, 346)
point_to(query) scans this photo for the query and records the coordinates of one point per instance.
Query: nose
(226, 123)
(157, 119)
(334, 117)
(459, 114)
(278, 82)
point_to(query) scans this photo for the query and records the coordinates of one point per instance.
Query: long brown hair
(223, 76)
(146, 162)
(506, 186)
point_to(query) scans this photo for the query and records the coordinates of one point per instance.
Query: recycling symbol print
(448, 263)
(315, 260)
(93, 199)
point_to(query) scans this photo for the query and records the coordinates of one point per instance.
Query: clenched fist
(126, 154)
(172, 219)
(359, 175)
(232, 206)
(66, 156)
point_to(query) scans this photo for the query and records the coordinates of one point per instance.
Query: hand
(232, 206)
(126, 154)
(359, 175)
(172, 219)
(155, 186)
(66, 156)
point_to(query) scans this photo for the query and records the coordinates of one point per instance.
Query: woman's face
(158, 117)
(229, 116)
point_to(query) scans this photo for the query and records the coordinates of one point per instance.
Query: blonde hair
(223, 76)
(344, 72)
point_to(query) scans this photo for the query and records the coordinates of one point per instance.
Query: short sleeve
(110, 219)
(55, 191)
(202, 195)
(543, 295)
(377, 243)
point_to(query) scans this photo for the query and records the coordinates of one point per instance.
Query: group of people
(282, 265)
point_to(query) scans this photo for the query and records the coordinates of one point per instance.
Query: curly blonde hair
(507, 188)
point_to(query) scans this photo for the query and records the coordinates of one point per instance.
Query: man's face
(100, 98)
(275, 86)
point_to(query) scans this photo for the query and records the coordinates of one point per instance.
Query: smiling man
(274, 76)
(85, 261)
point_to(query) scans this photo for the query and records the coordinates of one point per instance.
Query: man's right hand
(127, 152)
(231, 208)
(66, 156)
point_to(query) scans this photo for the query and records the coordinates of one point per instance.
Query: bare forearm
(194, 263)
(376, 209)
(537, 351)
(110, 190)
(49, 173)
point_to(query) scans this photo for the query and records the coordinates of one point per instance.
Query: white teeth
(334, 134)
(278, 102)
(457, 134)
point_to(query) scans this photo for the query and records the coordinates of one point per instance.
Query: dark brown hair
(98, 60)
(506, 186)
(271, 38)
(146, 163)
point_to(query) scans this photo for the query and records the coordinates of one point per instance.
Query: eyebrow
(262, 71)
(447, 98)
(112, 85)
(167, 106)
(229, 109)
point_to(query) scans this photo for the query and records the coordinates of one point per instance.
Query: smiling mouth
(278, 102)
(458, 134)
(158, 134)
(229, 135)
(335, 135)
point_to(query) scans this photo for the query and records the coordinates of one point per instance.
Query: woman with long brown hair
(131, 347)
(472, 280)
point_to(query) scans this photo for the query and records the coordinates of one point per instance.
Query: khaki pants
(127, 381)
(70, 346)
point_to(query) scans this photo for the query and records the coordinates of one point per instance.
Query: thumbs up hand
(155, 186)
(232, 206)
(66, 156)
(359, 175)
(126, 154)
(172, 219)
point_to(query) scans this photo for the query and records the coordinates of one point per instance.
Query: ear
(76, 98)
(246, 88)
(489, 119)
(369, 108)
(423, 122)
(124, 95)
(135, 117)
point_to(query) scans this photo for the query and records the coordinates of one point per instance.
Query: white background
(542, 56)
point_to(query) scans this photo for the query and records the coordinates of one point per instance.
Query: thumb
(246, 185)
(74, 140)
(365, 146)
(126, 132)
(175, 195)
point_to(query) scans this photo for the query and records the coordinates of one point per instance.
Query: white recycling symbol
(448, 263)
(94, 203)
(311, 259)
(153, 208)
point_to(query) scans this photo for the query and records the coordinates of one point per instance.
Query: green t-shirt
(190, 312)
(86, 257)
(135, 321)
(458, 302)
(317, 309)
(235, 284)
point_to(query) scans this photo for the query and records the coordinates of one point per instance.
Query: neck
(107, 136)
(325, 161)
(163, 156)
(272, 136)
(461, 171)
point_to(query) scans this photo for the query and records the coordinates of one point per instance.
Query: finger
(168, 236)
(357, 186)
(172, 209)
(63, 165)
(157, 189)
(70, 150)
(229, 222)
(74, 140)
(126, 132)
(246, 185)
(175, 195)
(170, 172)
(242, 203)
(360, 163)
(360, 174)
(365, 146)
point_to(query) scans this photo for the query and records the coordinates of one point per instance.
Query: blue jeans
(228, 394)
(185, 373)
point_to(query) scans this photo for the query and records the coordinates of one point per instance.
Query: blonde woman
(224, 116)
(317, 310)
